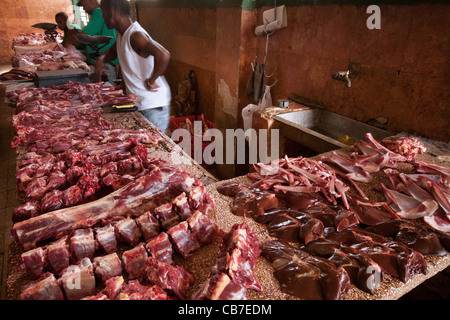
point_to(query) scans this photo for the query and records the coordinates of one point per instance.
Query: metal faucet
(343, 76)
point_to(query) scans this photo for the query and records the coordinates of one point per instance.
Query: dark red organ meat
(248, 201)
(303, 275)
(365, 273)
(394, 258)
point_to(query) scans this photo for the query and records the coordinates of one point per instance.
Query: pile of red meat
(94, 191)
(48, 56)
(73, 154)
(152, 238)
(30, 39)
(341, 235)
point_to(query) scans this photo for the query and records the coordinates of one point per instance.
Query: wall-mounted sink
(319, 129)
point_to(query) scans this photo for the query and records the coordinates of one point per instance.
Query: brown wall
(405, 70)
(190, 36)
(17, 16)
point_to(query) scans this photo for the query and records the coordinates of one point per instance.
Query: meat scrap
(408, 147)
(78, 280)
(300, 175)
(166, 276)
(134, 290)
(106, 267)
(134, 261)
(44, 288)
(82, 244)
(232, 274)
(248, 201)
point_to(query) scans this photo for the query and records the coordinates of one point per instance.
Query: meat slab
(135, 198)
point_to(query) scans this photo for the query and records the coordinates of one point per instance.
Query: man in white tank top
(142, 61)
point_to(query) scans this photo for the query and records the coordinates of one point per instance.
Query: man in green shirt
(96, 26)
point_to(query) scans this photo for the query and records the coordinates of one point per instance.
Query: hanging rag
(255, 85)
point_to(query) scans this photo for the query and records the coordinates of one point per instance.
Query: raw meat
(149, 225)
(58, 256)
(421, 239)
(33, 261)
(45, 288)
(134, 261)
(127, 231)
(78, 281)
(82, 245)
(166, 216)
(221, 287)
(137, 197)
(160, 248)
(183, 239)
(134, 290)
(365, 273)
(166, 276)
(106, 238)
(303, 275)
(203, 229)
(113, 286)
(394, 257)
(248, 201)
(107, 267)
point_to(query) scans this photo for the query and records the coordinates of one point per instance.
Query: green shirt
(97, 27)
(77, 27)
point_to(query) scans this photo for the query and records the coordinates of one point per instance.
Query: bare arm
(145, 47)
(108, 55)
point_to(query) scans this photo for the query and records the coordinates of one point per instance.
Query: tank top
(136, 70)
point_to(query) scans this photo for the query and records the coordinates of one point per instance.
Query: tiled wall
(17, 16)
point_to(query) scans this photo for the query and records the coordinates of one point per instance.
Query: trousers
(159, 117)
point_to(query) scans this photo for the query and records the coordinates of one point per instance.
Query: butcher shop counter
(201, 262)
(166, 150)
(391, 288)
